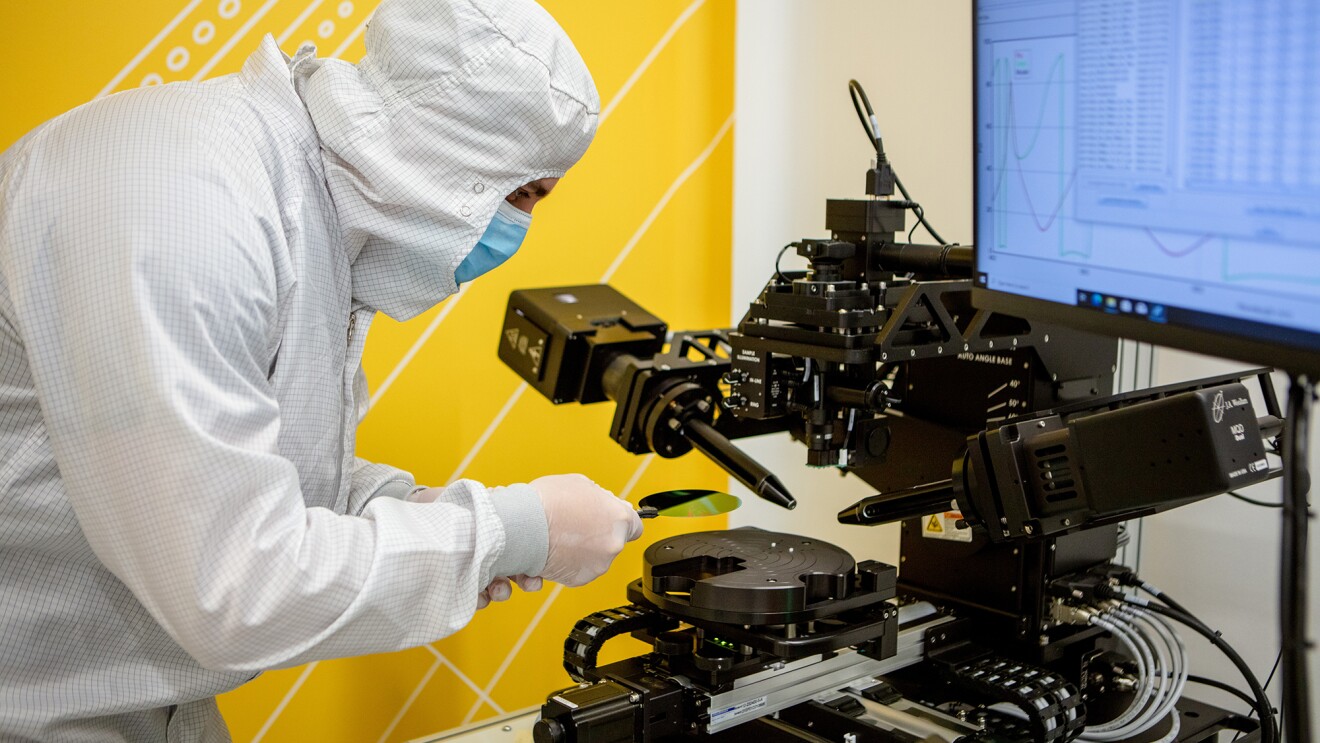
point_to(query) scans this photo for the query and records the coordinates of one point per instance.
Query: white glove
(500, 589)
(588, 527)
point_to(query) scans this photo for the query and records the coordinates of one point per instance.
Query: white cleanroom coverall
(187, 274)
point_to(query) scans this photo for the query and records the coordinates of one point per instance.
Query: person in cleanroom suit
(187, 274)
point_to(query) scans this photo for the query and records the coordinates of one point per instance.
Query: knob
(548, 731)
(672, 644)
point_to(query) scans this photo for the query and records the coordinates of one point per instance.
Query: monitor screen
(1151, 169)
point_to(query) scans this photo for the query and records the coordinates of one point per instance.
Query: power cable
(872, 128)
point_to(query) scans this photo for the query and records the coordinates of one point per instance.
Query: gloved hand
(500, 590)
(588, 527)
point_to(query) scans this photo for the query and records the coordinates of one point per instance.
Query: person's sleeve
(518, 508)
(372, 480)
(147, 315)
(521, 513)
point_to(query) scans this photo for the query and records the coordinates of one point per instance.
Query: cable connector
(1089, 588)
(1065, 613)
(880, 180)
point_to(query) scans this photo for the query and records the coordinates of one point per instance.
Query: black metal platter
(749, 576)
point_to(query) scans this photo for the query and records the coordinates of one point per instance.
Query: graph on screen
(1162, 152)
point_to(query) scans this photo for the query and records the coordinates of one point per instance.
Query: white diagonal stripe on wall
(468, 682)
(353, 36)
(151, 45)
(664, 200)
(605, 112)
(540, 613)
(233, 40)
(490, 430)
(637, 475)
(416, 346)
(297, 684)
(482, 695)
(649, 58)
(517, 646)
(298, 22)
(411, 698)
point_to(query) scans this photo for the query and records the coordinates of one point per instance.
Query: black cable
(1274, 668)
(921, 214)
(1292, 572)
(856, 92)
(1263, 504)
(1159, 594)
(1269, 733)
(1252, 501)
(1266, 687)
(780, 257)
(1220, 685)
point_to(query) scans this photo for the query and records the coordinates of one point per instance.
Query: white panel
(797, 142)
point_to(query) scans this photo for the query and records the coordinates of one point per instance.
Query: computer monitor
(1151, 169)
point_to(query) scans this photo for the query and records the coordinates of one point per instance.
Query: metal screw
(1067, 522)
(634, 697)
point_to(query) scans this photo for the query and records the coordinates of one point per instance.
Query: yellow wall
(648, 209)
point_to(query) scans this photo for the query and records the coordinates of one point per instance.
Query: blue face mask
(501, 240)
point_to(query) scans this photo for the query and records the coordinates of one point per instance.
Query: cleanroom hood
(455, 105)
